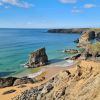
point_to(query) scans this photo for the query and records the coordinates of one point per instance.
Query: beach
(17, 44)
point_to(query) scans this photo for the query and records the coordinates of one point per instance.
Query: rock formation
(79, 83)
(85, 38)
(23, 80)
(98, 37)
(6, 82)
(38, 58)
(92, 51)
(71, 51)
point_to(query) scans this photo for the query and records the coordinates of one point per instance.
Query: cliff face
(86, 37)
(79, 83)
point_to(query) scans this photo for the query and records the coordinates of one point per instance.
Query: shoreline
(30, 86)
(58, 65)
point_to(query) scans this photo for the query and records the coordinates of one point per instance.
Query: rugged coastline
(64, 83)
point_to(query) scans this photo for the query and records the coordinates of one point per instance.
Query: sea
(17, 44)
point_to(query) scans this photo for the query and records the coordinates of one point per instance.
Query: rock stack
(38, 58)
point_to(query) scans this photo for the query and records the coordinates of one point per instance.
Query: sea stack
(38, 58)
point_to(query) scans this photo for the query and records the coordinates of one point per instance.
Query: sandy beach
(49, 70)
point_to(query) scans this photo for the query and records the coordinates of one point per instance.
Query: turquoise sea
(17, 44)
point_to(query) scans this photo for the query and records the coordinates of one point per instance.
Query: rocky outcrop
(98, 36)
(23, 80)
(73, 30)
(6, 82)
(74, 57)
(85, 38)
(38, 58)
(71, 51)
(79, 83)
(76, 41)
(14, 81)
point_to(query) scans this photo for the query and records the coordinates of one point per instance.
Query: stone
(71, 51)
(23, 80)
(6, 82)
(75, 56)
(38, 58)
(76, 41)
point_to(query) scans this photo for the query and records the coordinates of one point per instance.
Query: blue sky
(49, 13)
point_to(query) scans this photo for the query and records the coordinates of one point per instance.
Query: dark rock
(76, 56)
(71, 51)
(73, 30)
(98, 37)
(8, 92)
(6, 82)
(23, 80)
(49, 87)
(38, 58)
(91, 35)
(76, 41)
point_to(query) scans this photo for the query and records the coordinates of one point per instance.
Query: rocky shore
(82, 82)
(79, 83)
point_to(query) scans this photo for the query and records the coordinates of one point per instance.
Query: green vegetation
(34, 70)
(94, 48)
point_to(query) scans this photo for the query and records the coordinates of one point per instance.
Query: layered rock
(92, 51)
(38, 58)
(79, 83)
(85, 38)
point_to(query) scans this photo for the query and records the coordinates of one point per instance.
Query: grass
(94, 48)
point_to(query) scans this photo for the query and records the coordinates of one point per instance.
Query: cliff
(79, 83)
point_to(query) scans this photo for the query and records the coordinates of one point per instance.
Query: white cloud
(76, 11)
(18, 3)
(68, 1)
(89, 6)
(1, 3)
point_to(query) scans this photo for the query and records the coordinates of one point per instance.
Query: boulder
(23, 80)
(38, 58)
(71, 51)
(6, 82)
(76, 41)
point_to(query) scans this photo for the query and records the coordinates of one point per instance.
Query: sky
(49, 13)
